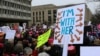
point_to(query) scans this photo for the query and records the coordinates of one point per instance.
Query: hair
(27, 51)
(18, 47)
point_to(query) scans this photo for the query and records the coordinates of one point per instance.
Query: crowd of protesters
(25, 42)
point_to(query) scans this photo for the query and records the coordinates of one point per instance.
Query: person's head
(30, 33)
(27, 51)
(18, 47)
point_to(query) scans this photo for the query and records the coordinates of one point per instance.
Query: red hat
(50, 41)
(71, 49)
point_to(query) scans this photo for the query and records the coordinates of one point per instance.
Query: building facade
(47, 13)
(12, 11)
(44, 14)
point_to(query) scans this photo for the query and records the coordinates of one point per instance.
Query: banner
(70, 24)
(42, 39)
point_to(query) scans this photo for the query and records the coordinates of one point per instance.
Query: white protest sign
(10, 34)
(24, 26)
(5, 28)
(70, 24)
(90, 51)
(44, 26)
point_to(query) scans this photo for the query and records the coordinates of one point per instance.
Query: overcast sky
(91, 5)
(56, 2)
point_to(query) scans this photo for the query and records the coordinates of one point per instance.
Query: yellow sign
(42, 39)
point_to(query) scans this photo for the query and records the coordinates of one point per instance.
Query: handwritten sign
(70, 24)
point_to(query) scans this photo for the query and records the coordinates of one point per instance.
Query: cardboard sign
(10, 34)
(89, 51)
(70, 24)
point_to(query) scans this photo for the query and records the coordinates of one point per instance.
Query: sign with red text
(70, 24)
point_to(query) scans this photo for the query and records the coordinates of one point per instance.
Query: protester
(18, 47)
(27, 51)
(42, 52)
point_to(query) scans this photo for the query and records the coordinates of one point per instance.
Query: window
(54, 11)
(36, 13)
(0, 2)
(49, 11)
(9, 12)
(18, 6)
(8, 4)
(0, 11)
(54, 16)
(15, 13)
(37, 19)
(12, 4)
(29, 8)
(22, 7)
(29, 15)
(29, 2)
(24, 14)
(5, 3)
(12, 12)
(49, 18)
(18, 14)
(5, 11)
(54, 20)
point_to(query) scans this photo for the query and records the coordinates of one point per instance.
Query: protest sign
(89, 51)
(44, 26)
(24, 26)
(10, 34)
(70, 24)
(5, 28)
(42, 39)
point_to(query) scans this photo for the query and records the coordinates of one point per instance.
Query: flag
(42, 39)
